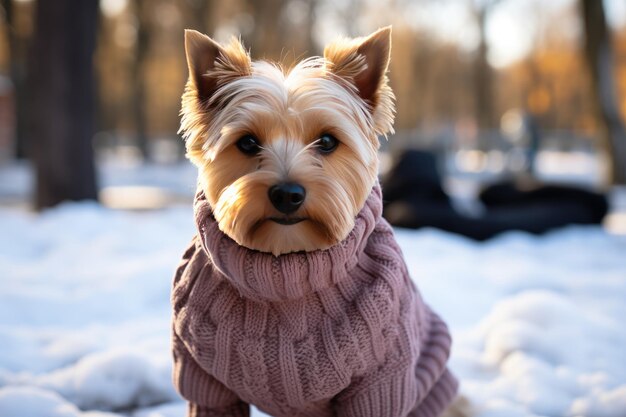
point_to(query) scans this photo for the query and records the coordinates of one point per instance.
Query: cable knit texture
(340, 332)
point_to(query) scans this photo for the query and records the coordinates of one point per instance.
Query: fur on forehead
(299, 105)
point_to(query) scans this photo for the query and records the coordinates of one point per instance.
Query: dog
(294, 296)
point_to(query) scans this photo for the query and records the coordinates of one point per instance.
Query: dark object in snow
(414, 198)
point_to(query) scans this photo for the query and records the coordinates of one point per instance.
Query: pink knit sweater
(339, 332)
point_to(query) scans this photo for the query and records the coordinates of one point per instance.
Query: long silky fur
(287, 111)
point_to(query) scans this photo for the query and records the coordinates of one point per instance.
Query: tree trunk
(266, 39)
(63, 100)
(139, 78)
(201, 15)
(599, 58)
(483, 77)
(309, 25)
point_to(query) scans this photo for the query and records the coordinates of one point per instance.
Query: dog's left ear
(363, 62)
(211, 64)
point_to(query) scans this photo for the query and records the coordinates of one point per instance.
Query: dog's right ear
(363, 62)
(211, 64)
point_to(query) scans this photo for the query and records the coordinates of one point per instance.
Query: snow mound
(554, 357)
(112, 380)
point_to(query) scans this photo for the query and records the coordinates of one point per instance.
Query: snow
(36, 402)
(84, 314)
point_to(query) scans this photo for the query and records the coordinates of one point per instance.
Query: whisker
(307, 147)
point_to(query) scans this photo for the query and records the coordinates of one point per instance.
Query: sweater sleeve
(207, 396)
(404, 387)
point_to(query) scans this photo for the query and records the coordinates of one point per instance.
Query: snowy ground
(84, 314)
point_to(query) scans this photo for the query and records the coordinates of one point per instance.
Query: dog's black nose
(287, 197)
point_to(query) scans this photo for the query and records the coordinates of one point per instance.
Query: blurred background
(496, 89)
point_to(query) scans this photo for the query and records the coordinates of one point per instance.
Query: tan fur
(287, 111)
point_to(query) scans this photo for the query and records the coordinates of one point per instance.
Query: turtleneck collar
(262, 276)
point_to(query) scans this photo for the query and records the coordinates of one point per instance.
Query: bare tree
(63, 100)
(138, 99)
(483, 73)
(599, 58)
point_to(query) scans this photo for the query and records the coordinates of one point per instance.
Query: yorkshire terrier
(294, 296)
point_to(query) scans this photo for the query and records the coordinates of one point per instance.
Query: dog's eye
(249, 145)
(327, 143)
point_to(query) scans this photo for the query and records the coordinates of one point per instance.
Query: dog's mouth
(287, 221)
